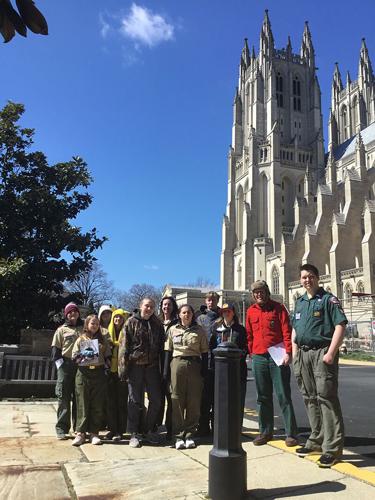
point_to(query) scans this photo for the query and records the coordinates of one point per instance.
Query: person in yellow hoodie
(117, 405)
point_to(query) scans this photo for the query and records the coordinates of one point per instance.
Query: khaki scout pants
(66, 401)
(318, 383)
(91, 398)
(187, 384)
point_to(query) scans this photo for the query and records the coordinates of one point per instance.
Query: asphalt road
(357, 397)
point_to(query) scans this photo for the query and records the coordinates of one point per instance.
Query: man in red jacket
(267, 325)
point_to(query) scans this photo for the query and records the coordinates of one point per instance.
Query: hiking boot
(190, 443)
(291, 441)
(262, 439)
(304, 451)
(95, 439)
(79, 439)
(180, 444)
(326, 461)
(134, 441)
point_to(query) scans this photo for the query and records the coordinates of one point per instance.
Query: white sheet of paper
(277, 352)
(59, 362)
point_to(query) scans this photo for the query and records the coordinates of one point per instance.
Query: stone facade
(289, 202)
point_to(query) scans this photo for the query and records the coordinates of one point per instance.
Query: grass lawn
(359, 356)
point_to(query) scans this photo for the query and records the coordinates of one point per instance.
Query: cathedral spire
(331, 172)
(365, 74)
(348, 80)
(337, 87)
(337, 82)
(266, 37)
(360, 156)
(289, 50)
(307, 48)
(245, 55)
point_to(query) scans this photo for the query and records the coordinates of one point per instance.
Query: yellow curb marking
(356, 362)
(343, 467)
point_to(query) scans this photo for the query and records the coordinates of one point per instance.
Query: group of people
(107, 363)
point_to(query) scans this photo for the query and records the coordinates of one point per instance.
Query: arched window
(345, 122)
(240, 210)
(296, 94)
(279, 91)
(301, 188)
(287, 202)
(263, 206)
(355, 111)
(275, 281)
(348, 290)
(360, 289)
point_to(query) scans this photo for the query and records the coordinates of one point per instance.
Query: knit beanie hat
(70, 307)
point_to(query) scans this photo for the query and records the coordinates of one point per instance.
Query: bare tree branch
(131, 299)
(93, 286)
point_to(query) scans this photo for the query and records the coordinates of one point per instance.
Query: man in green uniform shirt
(318, 331)
(62, 347)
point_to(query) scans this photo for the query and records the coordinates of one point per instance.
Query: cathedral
(289, 201)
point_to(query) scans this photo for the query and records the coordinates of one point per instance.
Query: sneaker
(116, 438)
(189, 444)
(262, 439)
(303, 451)
(108, 435)
(152, 437)
(291, 441)
(134, 441)
(180, 445)
(79, 439)
(95, 439)
(326, 461)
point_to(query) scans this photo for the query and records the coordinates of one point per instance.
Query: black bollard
(227, 473)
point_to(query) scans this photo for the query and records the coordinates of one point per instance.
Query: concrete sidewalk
(34, 465)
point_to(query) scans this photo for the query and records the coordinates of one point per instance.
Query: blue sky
(143, 92)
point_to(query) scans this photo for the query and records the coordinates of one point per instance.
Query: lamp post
(227, 473)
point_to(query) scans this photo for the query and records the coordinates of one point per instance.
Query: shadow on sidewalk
(290, 491)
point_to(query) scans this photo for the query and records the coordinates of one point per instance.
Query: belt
(92, 367)
(189, 358)
(313, 347)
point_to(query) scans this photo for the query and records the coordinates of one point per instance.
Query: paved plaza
(34, 465)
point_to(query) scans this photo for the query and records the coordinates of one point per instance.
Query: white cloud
(104, 26)
(145, 27)
(152, 267)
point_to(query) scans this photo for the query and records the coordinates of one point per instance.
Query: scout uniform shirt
(64, 339)
(188, 341)
(315, 319)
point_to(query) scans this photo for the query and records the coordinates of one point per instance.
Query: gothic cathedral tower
(276, 156)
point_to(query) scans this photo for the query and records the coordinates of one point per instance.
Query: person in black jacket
(141, 353)
(169, 317)
(228, 329)
(209, 314)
